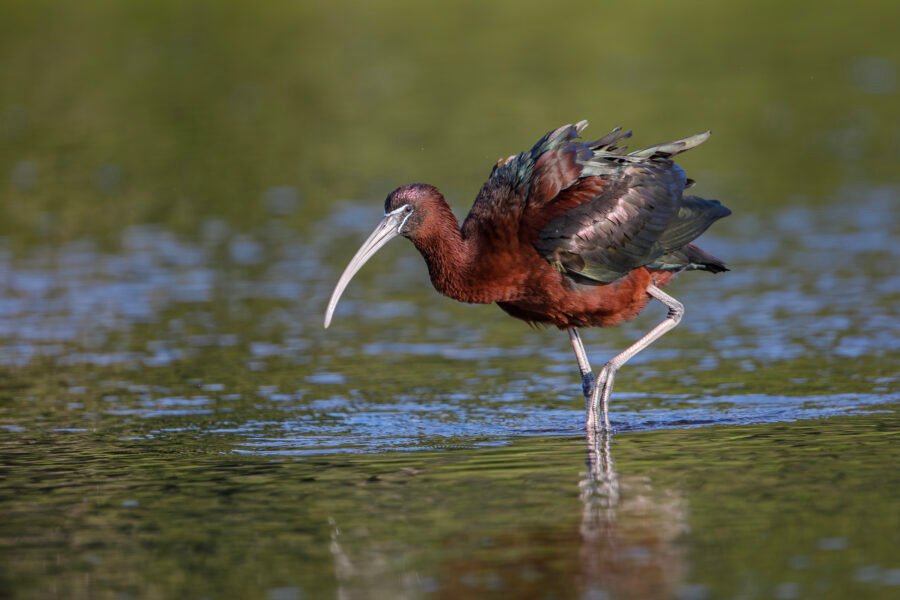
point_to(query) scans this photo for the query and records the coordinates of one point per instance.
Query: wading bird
(570, 233)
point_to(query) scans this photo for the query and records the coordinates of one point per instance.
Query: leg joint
(676, 311)
(676, 308)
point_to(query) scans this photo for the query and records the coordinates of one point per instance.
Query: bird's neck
(449, 255)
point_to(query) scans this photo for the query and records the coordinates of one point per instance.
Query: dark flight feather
(688, 258)
(593, 210)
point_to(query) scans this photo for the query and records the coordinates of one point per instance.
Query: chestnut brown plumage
(569, 233)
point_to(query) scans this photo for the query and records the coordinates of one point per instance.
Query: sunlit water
(201, 415)
(809, 310)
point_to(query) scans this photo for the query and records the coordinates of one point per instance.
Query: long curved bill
(387, 229)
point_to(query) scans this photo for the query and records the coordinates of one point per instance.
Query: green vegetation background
(196, 108)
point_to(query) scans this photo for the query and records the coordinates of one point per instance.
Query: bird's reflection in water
(599, 486)
(619, 540)
(629, 531)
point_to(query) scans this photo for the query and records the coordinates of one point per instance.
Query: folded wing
(623, 211)
(592, 209)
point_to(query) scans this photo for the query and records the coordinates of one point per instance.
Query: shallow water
(172, 334)
(787, 510)
(175, 422)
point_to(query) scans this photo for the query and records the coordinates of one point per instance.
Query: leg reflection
(630, 530)
(600, 486)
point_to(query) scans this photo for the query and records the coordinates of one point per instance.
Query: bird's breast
(558, 301)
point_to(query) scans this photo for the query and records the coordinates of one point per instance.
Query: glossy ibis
(570, 233)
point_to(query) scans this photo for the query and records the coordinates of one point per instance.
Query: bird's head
(405, 212)
(411, 202)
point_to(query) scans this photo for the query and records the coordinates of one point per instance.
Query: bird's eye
(408, 208)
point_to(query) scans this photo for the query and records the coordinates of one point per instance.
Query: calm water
(183, 186)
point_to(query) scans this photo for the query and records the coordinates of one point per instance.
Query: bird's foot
(602, 388)
(598, 404)
(587, 385)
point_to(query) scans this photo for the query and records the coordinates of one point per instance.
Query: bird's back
(594, 211)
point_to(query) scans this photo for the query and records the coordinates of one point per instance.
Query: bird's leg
(603, 388)
(587, 377)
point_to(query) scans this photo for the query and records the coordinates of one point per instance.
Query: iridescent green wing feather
(529, 178)
(590, 208)
(616, 231)
(625, 224)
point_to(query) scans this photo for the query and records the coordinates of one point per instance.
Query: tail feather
(688, 258)
(694, 216)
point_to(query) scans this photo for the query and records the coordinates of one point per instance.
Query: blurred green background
(115, 113)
